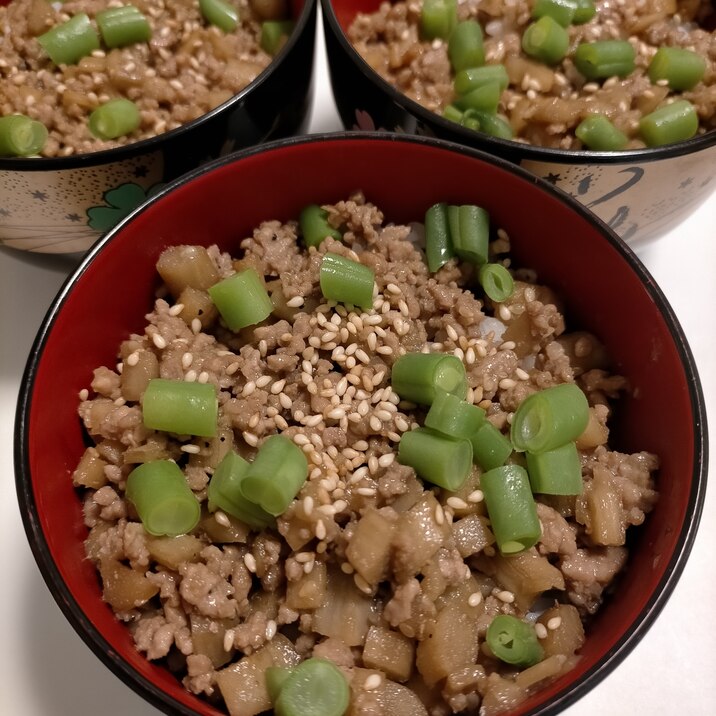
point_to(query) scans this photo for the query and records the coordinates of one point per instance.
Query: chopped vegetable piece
(163, 499)
(469, 232)
(584, 11)
(545, 40)
(485, 97)
(471, 78)
(452, 113)
(681, 68)
(436, 458)
(276, 475)
(177, 406)
(21, 136)
(419, 376)
(673, 122)
(556, 472)
(68, 43)
(222, 14)
(346, 281)
(597, 133)
(315, 227)
(276, 677)
(452, 416)
(242, 299)
(115, 118)
(121, 26)
(605, 58)
(273, 33)
(470, 122)
(224, 493)
(496, 282)
(438, 18)
(465, 48)
(490, 448)
(513, 641)
(511, 508)
(561, 11)
(550, 418)
(316, 687)
(438, 248)
(490, 123)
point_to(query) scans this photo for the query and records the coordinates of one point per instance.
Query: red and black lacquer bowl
(62, 205)
(641, 193)
(108, 296)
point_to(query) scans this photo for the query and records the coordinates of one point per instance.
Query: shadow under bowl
(108, 296)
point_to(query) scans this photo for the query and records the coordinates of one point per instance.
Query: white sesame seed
(452, 333)
(507, 383)
(320, 530)
(271, 629)
(231, 368)
(159, 341)
(554, 623)
(505, 313)
(250, 562)
(366, 491)
(439, 515)
(540, 630)
(132, 359)
(474, 599)
(195, 325)
(387, 459)
(340, 505)
(278, 386)
(83, 394)
(190, 376)
(285, 401)
(522, 374)
(222, 519)
(347, 568)
(263, 381)
(203, 377)
(191, 449)
(250, 438)
(229, 639)
(505, 596)
(373, 682)
(475, 496)
(249, 388)
(295, 302)
(456, 503)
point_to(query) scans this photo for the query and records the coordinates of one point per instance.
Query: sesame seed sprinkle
(474, 599)
(540, 630)
(554, 623)
(373, 682)
(250, 562)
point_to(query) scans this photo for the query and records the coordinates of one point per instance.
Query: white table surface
(46, 670)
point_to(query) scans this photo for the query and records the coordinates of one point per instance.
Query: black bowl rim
(591, 678)
(151, 144)
(506, 146)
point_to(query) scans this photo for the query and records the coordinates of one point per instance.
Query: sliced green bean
(114, 119)
(438, 248)
(485, 97)
(274, 33)
(470, 232)
(561, 11)
(490, 448)
(121, 26)
(514, 641)
(314, 226)
(584, 11)
(496, 282)
(316, 687)
(346, 281)
(471, 78)
(596, 132)
(438, 18)
(465, 46)
(675, 122)
(682, 69)
(21, 136)
(556, 472)
(511, 508)
(436, 458)
(222, 14)
(453, 416)
(546, 40)
(417, 377)
(550, 418)
(242, 299)
(177, 406)
(605, 58)
(163, 499)
(68, 43)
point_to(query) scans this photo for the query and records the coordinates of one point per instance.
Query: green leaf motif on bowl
(119, 202)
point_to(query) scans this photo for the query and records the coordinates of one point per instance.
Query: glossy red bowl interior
(607, 291)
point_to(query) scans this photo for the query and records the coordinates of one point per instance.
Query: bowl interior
(607, 292)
